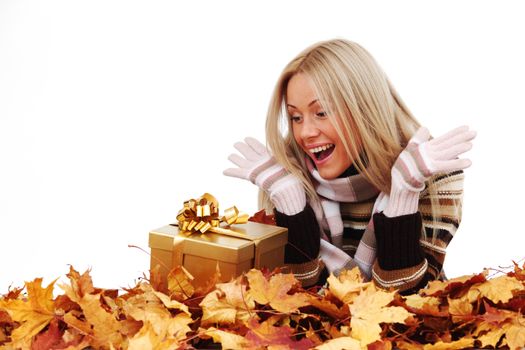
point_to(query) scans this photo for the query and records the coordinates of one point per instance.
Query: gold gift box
(260, 246)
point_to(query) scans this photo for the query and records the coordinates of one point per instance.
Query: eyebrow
(311, 103)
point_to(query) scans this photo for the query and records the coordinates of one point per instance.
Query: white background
(112, 113)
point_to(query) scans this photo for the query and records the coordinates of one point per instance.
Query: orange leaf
(265, 334)
(33, 314)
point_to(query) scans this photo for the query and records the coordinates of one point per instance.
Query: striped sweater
(410, 248)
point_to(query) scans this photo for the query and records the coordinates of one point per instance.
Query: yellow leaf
(500, 289)
(33, 314)
(179, 283)
(230, 302)
(418, 302)
(148, 308)
(105, 325)
(492, 337)
(227, 340)
(458, 344)
(459, 307)
(342, 343)
(274, 291)
(147, 339)
(515, 334)
(171, 304)
(346, 288)
(369, 310)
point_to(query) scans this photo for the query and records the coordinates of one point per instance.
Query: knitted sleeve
(302, 251)
(411, 248)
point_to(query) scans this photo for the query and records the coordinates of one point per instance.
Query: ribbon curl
(202, 215)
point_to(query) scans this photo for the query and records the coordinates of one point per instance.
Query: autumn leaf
(33, 314)
(48, 339)
(274, 291)
(515, 333)
(342, 343)
(226, 339)
(499, 289)
(452, 286)
(266, 334)
(458, 344)
(370, 308)
(346, 287)
(148, 339)
(263, 218)
(229, 303)
(152, 310)
(179, 283)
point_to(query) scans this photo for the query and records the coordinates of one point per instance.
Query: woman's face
(313, 131)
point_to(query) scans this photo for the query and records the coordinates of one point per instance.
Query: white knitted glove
(421, 159)
(258, 165)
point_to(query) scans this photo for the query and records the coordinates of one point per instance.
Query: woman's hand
(259, 166)
(423, 158)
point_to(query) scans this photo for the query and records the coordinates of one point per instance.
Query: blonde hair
(350, 84)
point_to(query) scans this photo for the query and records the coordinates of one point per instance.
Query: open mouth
(322, 152)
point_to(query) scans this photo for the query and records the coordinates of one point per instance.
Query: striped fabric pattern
(358, 246)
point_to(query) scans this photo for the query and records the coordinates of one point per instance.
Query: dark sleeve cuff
(398, 241)
(303, 235)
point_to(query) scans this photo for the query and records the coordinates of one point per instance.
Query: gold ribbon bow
(202, 215)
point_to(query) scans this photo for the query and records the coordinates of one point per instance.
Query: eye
(296, 118)
(321, 114)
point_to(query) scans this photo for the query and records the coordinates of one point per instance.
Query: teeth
(321, 148)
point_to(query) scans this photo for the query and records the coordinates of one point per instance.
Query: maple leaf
(458, 344)
(33, 314)
(49, 339)
(230, 302)
(452, 286)
(342, 343)
(274, 291)
(150, 309)
(228, 340)
(499, 289)
(266, 334)
(495, 316)
(492, 337)
(148, 339)
(330, 308)
(459, 307)
(346, 287)
(419, 302)
(179, 283)
(369, 310)
(80, 284)
(263, 218)
(515, 333)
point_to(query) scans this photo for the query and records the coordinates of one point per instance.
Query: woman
(352, 174)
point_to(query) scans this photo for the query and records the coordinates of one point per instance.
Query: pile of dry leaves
(265, 310)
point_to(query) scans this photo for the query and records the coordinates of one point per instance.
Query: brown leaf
(263, 218)
(48, 339)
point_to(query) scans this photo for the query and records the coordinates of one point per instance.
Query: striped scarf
(354, 188)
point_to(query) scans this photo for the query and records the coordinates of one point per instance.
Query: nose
(309, 129)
